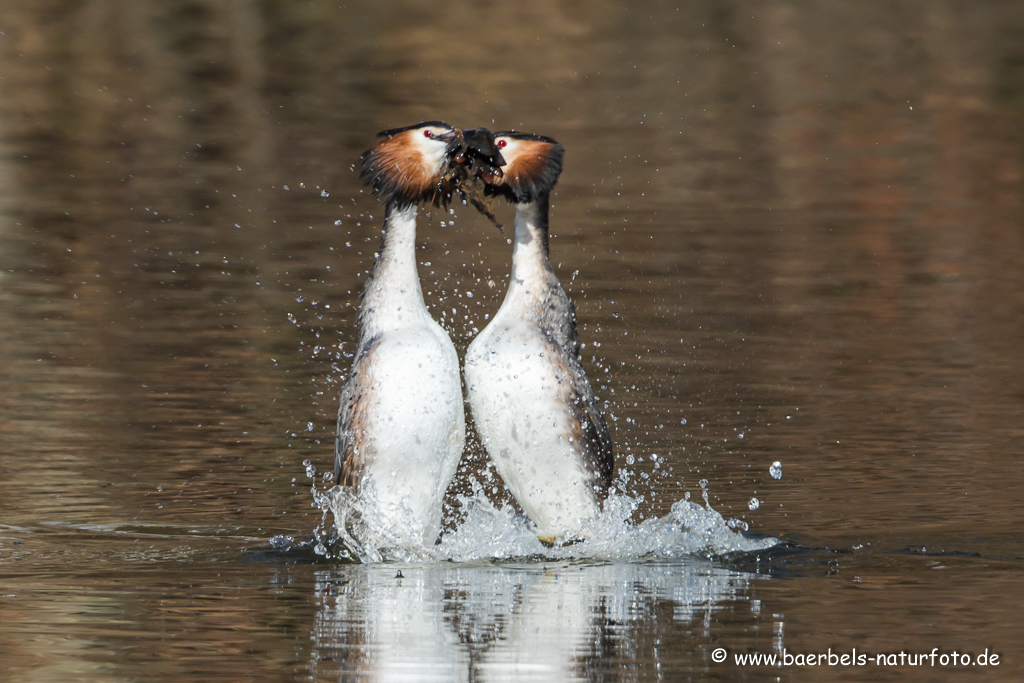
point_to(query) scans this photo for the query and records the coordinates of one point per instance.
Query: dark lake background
(793, 231)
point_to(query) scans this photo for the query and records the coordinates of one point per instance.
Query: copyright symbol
(718, 655)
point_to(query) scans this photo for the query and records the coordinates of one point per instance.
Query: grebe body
(533, 406)
(401, 425)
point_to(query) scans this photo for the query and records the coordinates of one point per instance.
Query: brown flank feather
(353, 444)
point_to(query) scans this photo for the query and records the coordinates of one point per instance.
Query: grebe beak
(484, 158)
(453, 138)
(480, 141)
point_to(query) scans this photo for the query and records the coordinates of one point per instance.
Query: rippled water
(794, 238)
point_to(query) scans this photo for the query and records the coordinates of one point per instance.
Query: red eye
(502, 143)
(427, 134)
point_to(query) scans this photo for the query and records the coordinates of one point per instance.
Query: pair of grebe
(401, 425)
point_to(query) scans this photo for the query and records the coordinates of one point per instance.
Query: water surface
(792, 233)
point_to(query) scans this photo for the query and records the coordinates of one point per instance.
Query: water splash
(490, 532)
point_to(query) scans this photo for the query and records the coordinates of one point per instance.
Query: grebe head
(409, 164)
(533, 164)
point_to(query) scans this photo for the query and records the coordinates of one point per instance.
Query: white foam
(488, 533)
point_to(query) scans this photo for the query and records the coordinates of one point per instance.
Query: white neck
(530, 265)
(392, 297)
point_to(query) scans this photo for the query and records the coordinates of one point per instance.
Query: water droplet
(310, 468)
(754, 503)
(776, 470)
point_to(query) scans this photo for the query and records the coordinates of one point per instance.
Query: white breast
(416, 427)
(514, 385)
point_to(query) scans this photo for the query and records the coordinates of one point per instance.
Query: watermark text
(853, 657)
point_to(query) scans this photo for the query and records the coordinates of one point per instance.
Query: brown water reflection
(796, 228)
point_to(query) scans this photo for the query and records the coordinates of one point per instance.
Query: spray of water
(491, 532)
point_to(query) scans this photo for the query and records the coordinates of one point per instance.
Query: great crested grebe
(530, 398)
(401, 424)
